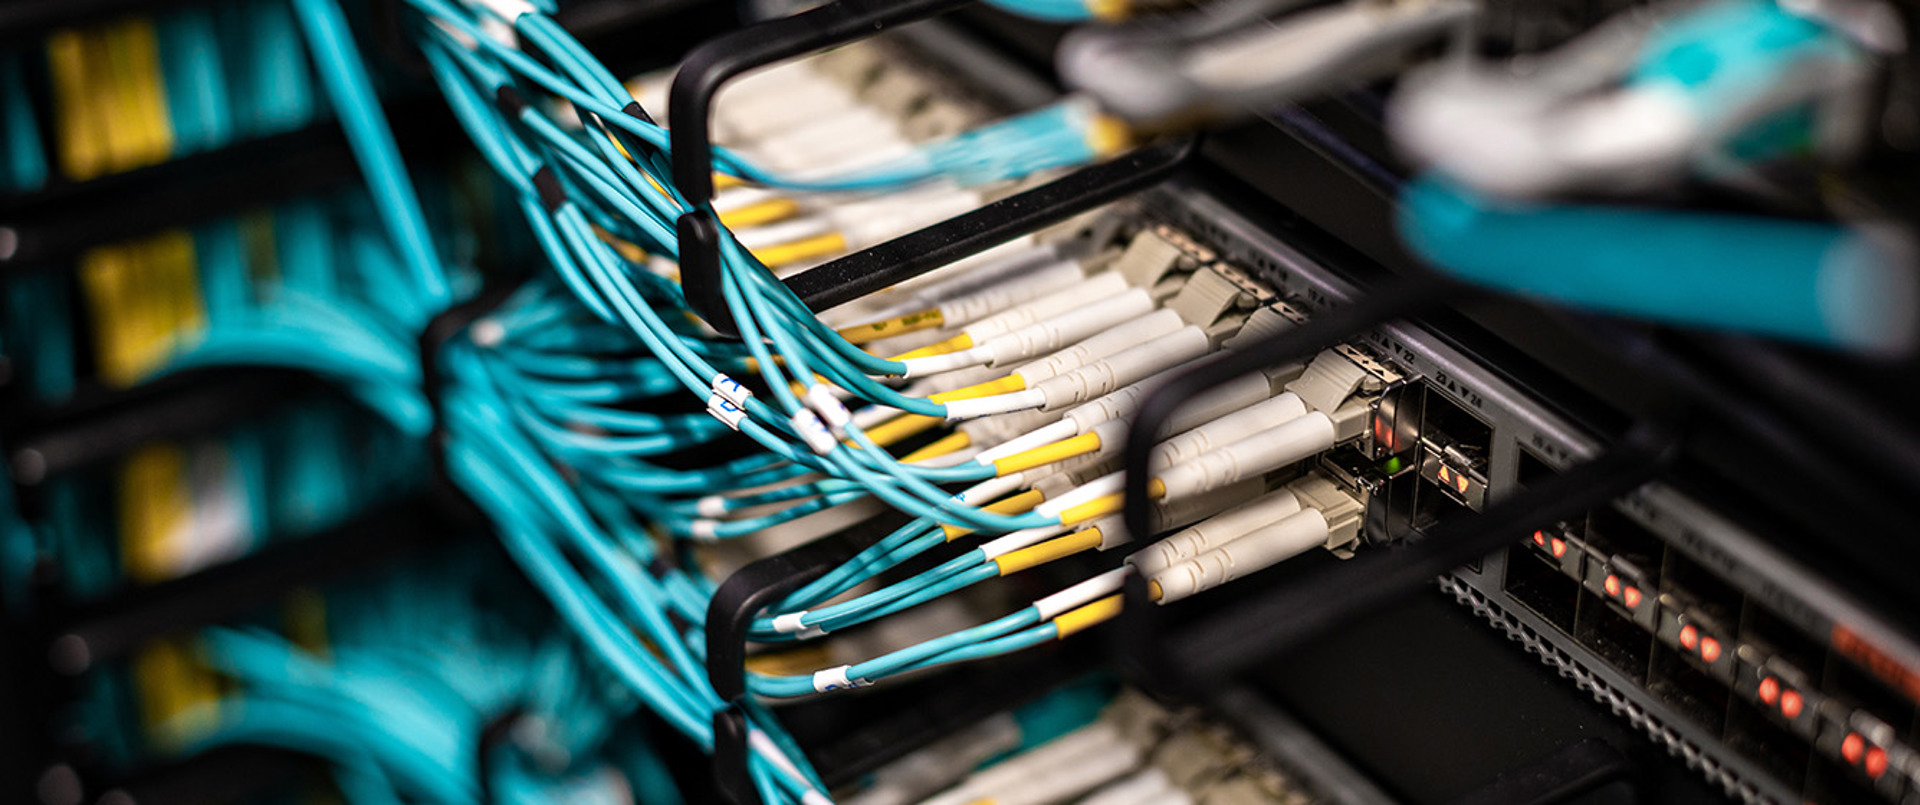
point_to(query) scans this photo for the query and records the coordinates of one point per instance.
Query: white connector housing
(1254, 455)
(1343, 513)
(1215, 531)
(1256, 550)
(1094, 290)
(1099, 345)
(1240, 424)
(1123, 368)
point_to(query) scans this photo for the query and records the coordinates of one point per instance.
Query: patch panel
(1748, 665)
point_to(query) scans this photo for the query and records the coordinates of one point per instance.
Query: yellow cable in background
(82, 147)
(946, 445)
(173, 683)
(1047, 454)
(1005, 385)
(1018, 504)
(1056, 548)
(813, 248)
(140, 54)
(1088, 616)
(899, 325)
(115, 97)
(765, 212)
(954, 344)
(901, 428)
(156, 511)
(1098, 507)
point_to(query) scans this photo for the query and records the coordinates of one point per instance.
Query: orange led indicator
(1460, 483)
(1444, 474)
(1559, 547)
(1689, 637)
(1632, 596)
(1540, 538)
(1770, 691)
(1709, 649)
(1876, 762)
(1611, 585)
(1853, 747)
(1791, 703)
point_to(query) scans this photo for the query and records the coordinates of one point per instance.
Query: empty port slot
(1539, 585)
(1455, 431)
(1720, 600)
(1621, 642)
(1781, 753)
(1430, 505)
(1615, 534)
(1689, 691)
(1761, 625)
(1531, 470)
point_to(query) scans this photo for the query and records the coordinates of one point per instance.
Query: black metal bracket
(1406, 298)
(730, 613)
(877, 267)
(690, 114)
(1277, 620)
(1218, 647)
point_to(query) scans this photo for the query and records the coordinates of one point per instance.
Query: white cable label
(711, 506)
(790, 624)
(820, 398)
(813, 432)
(705, 530)
(725, 411)
(833, 679)
(731, 389)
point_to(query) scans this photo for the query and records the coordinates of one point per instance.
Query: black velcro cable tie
(510, 101)
(547, 184)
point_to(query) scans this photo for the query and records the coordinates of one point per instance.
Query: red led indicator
(1770, 691)
(1559, 547)
(1791, 703)
(1632, 597)
(1876, 762)
(1689, 637)
(1611, 585)
(1709, 649)
(1383, 434)
(1853, 747)
(1540, 538)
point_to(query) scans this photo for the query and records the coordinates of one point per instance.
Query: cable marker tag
(731, 389)
(790, 624)
(813, 432)
(820, 398)
(705, 530)
(833, 679)
(725, 411)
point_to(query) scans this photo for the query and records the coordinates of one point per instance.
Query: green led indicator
(1392, 465)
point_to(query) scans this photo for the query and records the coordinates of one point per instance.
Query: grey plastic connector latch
(1342, 512)
(1328, 381)
(1148, 259)
(1264, 321)
(1206, 297)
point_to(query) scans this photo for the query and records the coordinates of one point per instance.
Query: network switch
(1773, 681)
